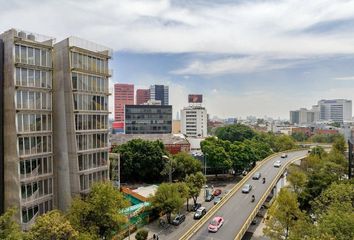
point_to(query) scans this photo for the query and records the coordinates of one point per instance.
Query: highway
(237, 209)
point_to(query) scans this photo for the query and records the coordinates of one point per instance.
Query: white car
(277, 164)
(284, 155)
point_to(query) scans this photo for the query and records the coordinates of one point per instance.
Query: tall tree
(185, 165)
(339, 144)
(99, 212)
(168, 199)
(9, 229)
(52, 226)
(283, 215)
(283, 143)
(297, 179)
(216, 157)
(141, 160)
(235, 132)
(195, 183)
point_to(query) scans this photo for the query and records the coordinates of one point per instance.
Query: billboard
(195, 98)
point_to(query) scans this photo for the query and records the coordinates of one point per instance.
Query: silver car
(277, 164)
(246, 188)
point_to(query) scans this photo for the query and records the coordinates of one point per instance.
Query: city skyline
(231, 52)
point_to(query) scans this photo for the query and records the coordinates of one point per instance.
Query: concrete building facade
(27, 156)
(194, 121)
(159, 92)
(54, 134)
(142, 96)
(302, 116)
(80, 116)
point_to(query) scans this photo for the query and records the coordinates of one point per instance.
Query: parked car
(277, 164)
(246, 188)
(217, 200)
(200, 213)
(209, 198)
(257, 176)
(179, 219)
(215, 224)
(196, 207)
(284, 155)
(217, 192)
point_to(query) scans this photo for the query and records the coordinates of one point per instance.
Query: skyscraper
(123, 95)
(159, 92)
(142, 96)
(194, 117)
(55, 121)
(26, 175)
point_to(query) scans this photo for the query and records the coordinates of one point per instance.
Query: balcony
(31, 198)
(30, 175)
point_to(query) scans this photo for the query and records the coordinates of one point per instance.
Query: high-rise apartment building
(123, 95)
(54, 134)
(26, 76)
(159, 92)
(302, 116)
(337, 110)
(194, 118)
(142, 96)
(80, 116)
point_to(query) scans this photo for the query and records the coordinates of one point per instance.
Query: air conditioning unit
(31, 37)
(22, 34)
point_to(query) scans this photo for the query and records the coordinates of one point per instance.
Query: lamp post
(205, 188)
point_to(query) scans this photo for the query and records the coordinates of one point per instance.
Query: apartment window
(34, 145)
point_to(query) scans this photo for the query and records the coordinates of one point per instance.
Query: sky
(247, 57)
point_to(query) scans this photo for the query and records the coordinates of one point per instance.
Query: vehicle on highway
(179, 219)
(217, 200)
(196, 207)
(277, 163)
(257, 176)
(200, 213)
(217, 192)
(284, 155)
(209, 198)
(216, 224)
(244, 172)
(246, 188)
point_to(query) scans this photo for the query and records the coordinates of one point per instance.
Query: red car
(215, 224)
(217, 192)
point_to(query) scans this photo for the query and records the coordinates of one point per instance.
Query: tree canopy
(143, 157)
(195, 183)
(235, 132)
(9, 228)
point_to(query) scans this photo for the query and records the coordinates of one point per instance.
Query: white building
(302, 116)
(194, 121)
(337, 110)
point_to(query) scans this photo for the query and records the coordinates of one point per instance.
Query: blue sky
(253, 57)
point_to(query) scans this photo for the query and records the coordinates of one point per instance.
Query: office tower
(27, 155)
(194, 117)
(159, 92)
(148, 119)
(123, 95)
(80, 116)
(142, 96)
(337, 110)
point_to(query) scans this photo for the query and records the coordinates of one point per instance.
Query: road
(236, 211)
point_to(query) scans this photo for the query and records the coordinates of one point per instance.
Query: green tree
(318, 151)
(283, 143)
(168, 199)
(195, 183)
(99, 212)
(9, 229)
(216, 157)
(235, 132)
(186, 164)
(141, 160)
(52, 226)
(299, 136)
(142, 234)
(297, 179)
(283, 215)
(339, 144)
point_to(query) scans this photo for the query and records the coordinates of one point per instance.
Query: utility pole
(118, 170)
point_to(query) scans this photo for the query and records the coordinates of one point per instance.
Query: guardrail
(263, 198)
(234, 189)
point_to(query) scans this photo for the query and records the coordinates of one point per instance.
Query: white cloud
(247, 27)
(347, 78)
(234, 65)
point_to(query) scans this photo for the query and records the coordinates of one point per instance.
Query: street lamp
(170, 168)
